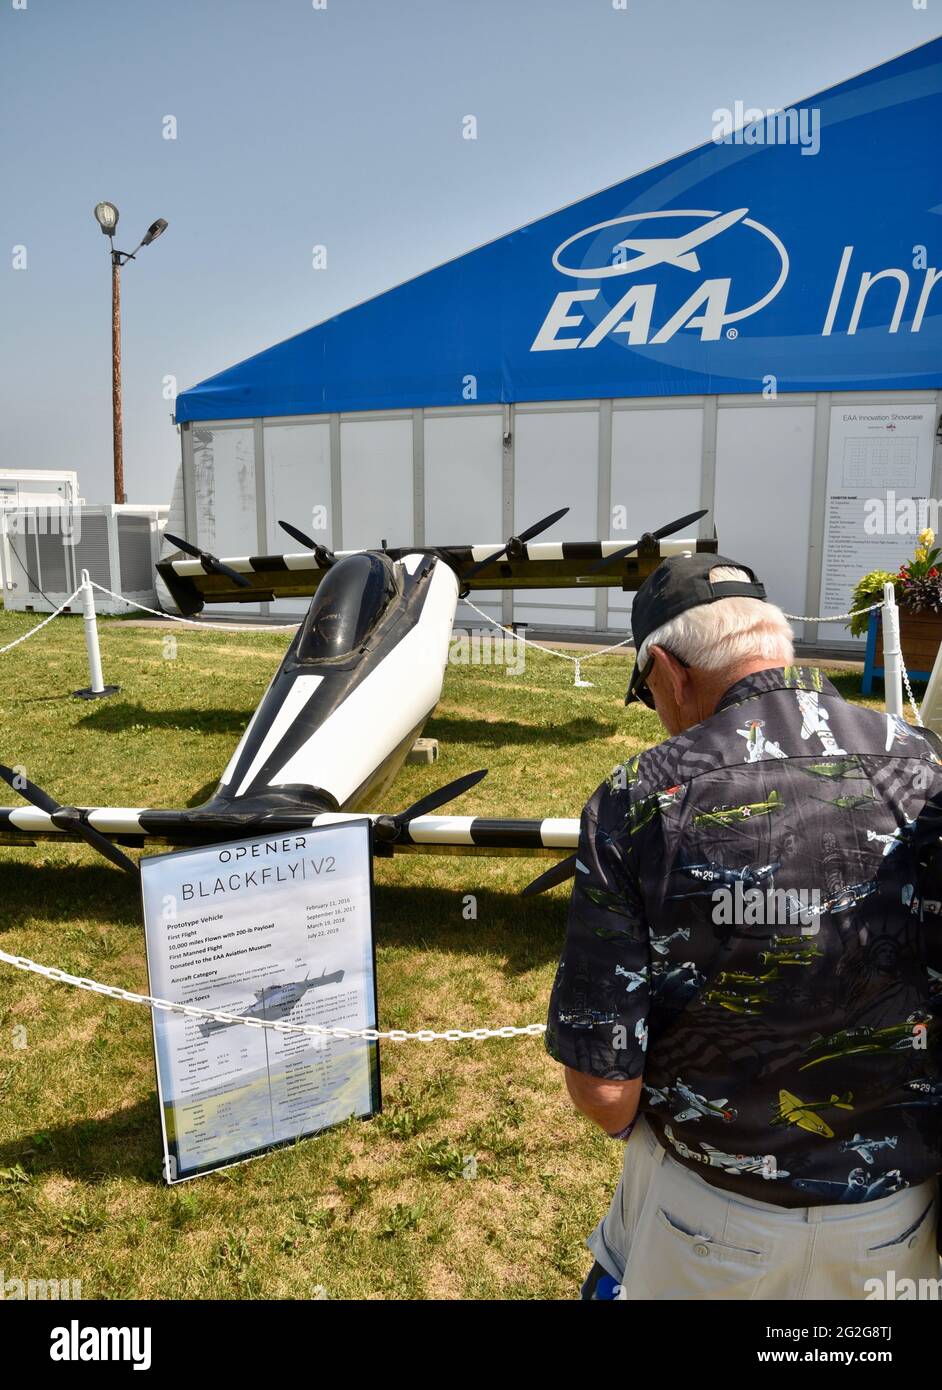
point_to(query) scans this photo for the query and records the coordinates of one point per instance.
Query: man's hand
(610, 1104)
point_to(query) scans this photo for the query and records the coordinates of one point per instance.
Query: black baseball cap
(681, 582)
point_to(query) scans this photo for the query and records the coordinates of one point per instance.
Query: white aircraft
(355, 687)
(676, 250)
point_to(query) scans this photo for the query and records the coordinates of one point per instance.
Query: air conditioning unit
(45, 549)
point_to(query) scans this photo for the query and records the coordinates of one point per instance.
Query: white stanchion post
(96, 689)
(892, 654)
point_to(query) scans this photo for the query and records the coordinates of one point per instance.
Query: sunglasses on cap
(638, 688)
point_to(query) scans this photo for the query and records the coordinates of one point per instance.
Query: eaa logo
(614, 249)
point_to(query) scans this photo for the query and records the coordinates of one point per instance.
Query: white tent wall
(548, 441)
(474, 474)
(656, 463)
(224, 476)
(376, 466)
(461, 485)
(176, 525)
(297, 488)
(762, 496)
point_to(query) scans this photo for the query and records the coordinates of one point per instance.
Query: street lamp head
(106, 215)
(155, 230)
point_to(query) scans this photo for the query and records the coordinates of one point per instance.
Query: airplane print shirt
(755, 929)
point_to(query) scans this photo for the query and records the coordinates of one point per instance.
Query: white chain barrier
(290, 627)
(550, 651)
(628, 641)
(192, 622)
(832, 617)
(576, 661)
(39, 626)
(310, 1030)
(917, 713)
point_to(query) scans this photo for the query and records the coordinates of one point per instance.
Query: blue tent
(804, 247)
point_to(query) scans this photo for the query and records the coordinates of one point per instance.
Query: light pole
(106, 215)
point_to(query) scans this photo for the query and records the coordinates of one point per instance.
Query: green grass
(376, 1210)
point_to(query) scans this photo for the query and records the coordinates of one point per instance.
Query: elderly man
(748, 982)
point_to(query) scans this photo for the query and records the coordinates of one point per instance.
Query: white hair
(714, 636)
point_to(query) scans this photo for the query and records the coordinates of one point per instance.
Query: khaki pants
(668, 1234)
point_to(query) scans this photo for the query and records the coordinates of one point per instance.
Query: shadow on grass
(118, 715)
(62, 893)
(508, 734)
(126, 1144)
(526, 932)
(203, 793)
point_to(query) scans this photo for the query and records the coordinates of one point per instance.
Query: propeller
(514, 547)
(209, 562)
(388, 829)
(657, 535)
(560, 871)
(324, 557)
(67, 818)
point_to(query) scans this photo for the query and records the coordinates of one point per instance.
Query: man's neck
(713, 685)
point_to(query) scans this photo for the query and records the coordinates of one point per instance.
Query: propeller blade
(100, 842)
(658, 535)
(44, 802)
(297, 535)
(388, 829)
(543, 525)
(679, 524)
(450, 792)
(566, 868)
(522, 539)
(29, 791)
(324, 557)
(483, 564)
(183, 545)
(218, 567)
(612, 559)
(210, 562)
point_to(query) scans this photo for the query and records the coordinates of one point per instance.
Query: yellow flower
(921, 554)
(926, 537)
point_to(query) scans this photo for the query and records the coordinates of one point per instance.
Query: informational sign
(879, 460)
(278, 927)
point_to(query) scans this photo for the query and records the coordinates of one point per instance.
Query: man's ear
(671, 670)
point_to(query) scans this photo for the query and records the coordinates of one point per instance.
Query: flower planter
(920, 636)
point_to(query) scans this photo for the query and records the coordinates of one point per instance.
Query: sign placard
(877, 455)
(277, 927)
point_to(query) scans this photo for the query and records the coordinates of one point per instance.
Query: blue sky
(338, 126)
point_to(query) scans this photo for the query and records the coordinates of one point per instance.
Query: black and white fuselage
(358, 682)
(354, 690)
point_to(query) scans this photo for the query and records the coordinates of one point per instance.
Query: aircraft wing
(541, 565)
(139, 828)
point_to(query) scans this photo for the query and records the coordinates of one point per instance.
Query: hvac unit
(45, 552)
(35, 487)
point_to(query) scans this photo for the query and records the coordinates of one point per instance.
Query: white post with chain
(96, 689)
(892, 653)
